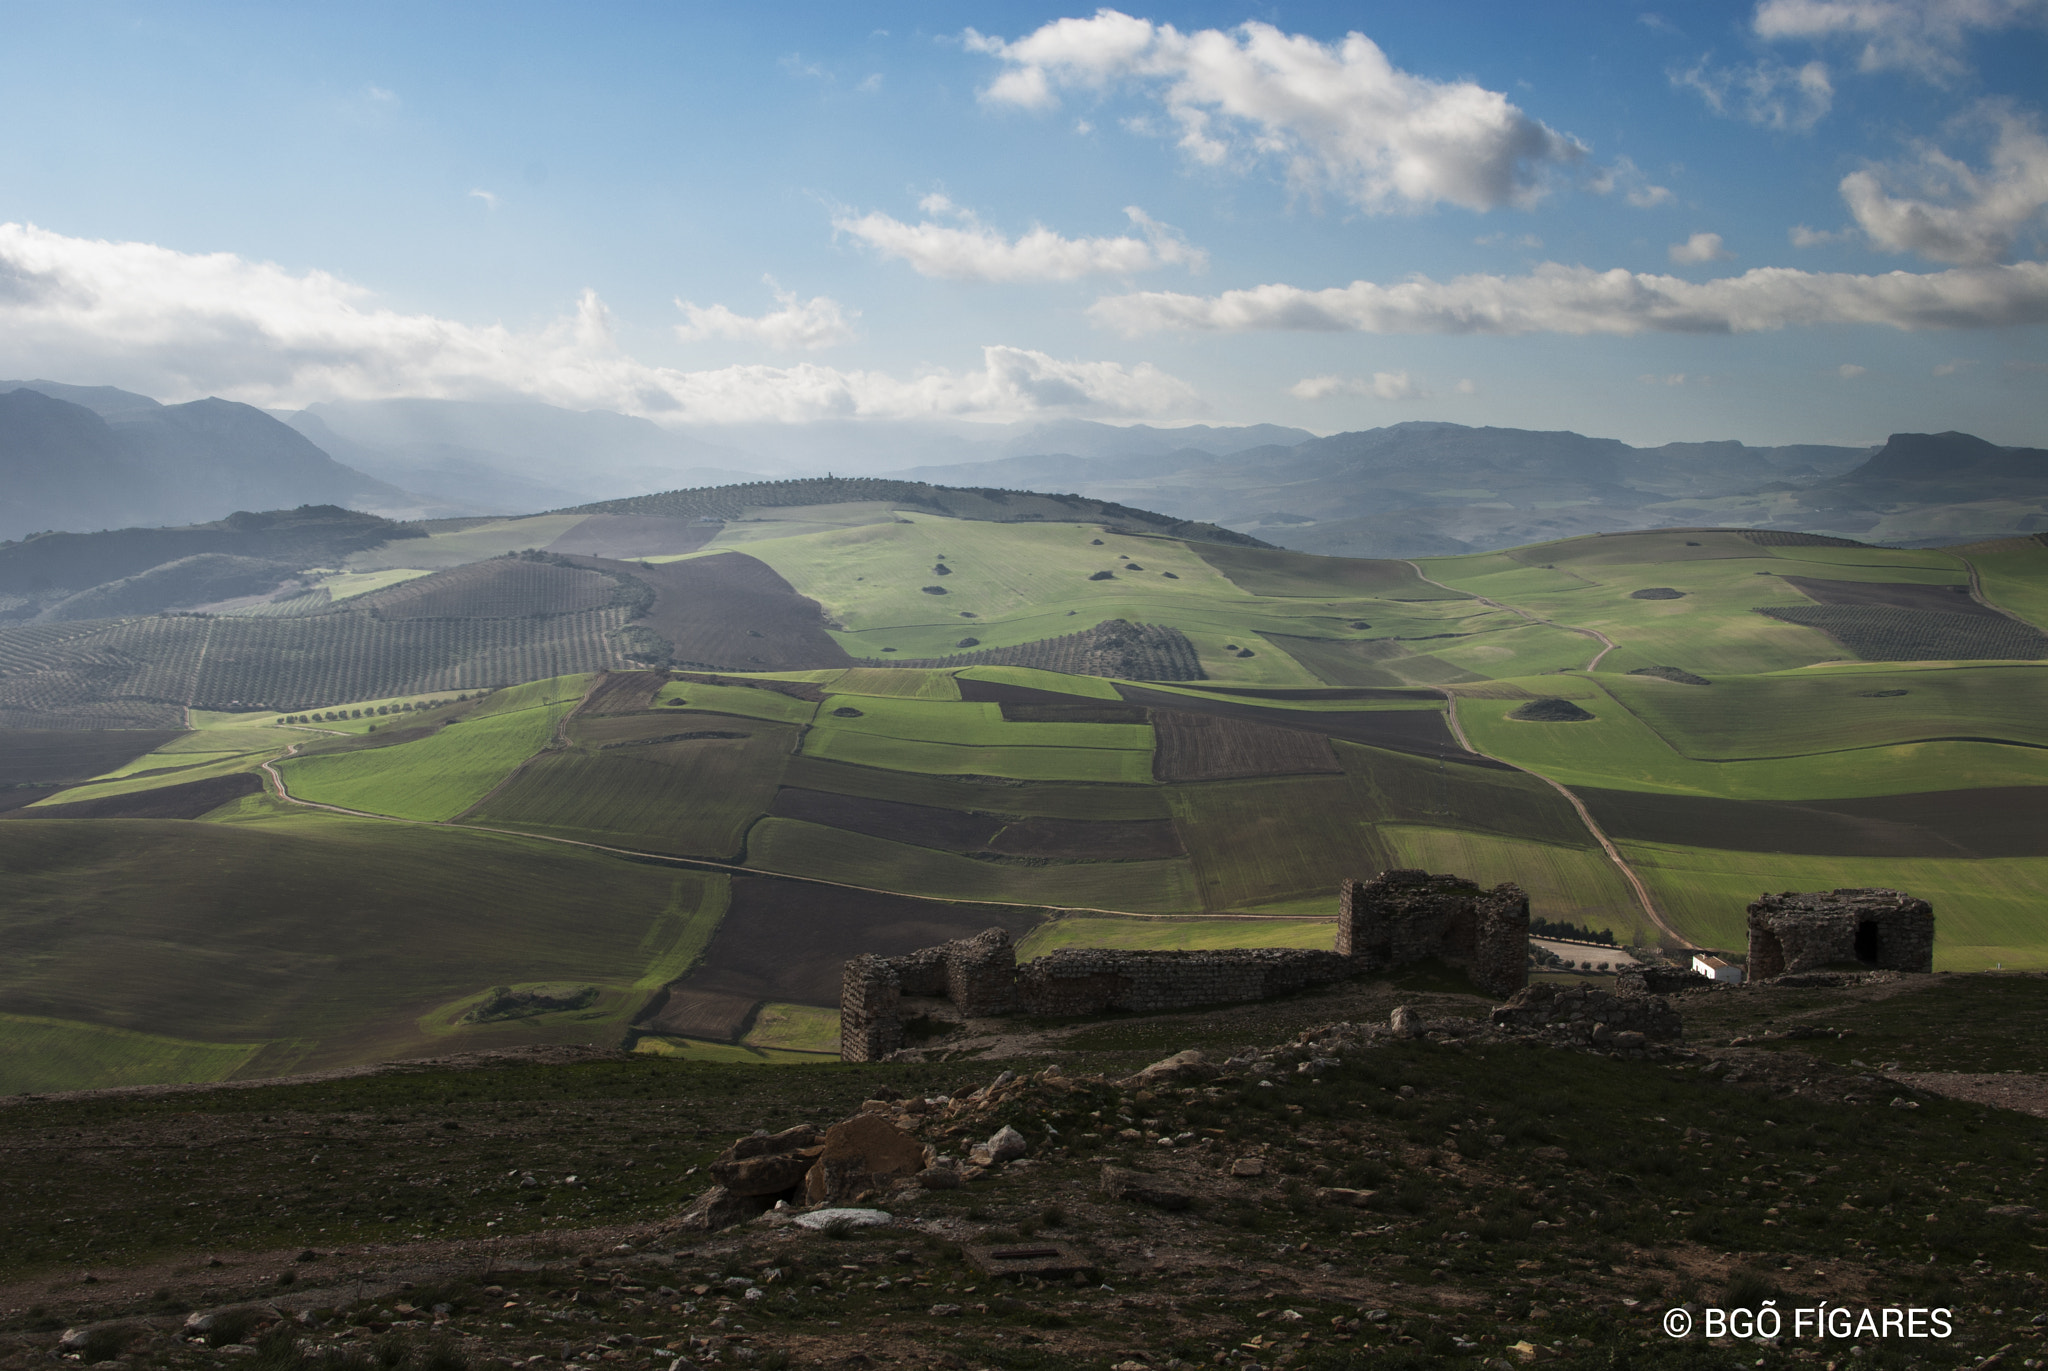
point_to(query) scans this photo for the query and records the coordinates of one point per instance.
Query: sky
(1776, 221)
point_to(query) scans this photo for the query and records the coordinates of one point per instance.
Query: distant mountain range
(79, 457)
(92, 457)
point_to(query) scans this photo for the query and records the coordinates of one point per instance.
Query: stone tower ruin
(1408, 916)
(1880, 929)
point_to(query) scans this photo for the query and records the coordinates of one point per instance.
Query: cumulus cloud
(1381, 385)
(804, 325)
(1769, 94)
(969, 250)
(1701, 247)
(1926, 37)
(1849, 371)
(1958, 214)
(1803, 237)
(178, 324)
(1579, 300)
(1339, 116)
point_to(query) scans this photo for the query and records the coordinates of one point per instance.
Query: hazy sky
(1795, 220)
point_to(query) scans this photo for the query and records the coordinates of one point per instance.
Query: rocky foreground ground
(1316, 1183)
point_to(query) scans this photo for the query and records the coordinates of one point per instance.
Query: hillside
(111, 459)
(1752, 711)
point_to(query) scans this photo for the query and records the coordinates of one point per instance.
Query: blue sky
(1793, 220)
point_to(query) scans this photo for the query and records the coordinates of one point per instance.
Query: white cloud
(1769, 94)
(818, 322)
(1468, 386)
(973, 251)
(1923, 36)
(1849, 371)
(1676, 378)
(178, 325)
(490, 200)
(1953, 365)
(1804, 237)
(1701, 247)
(870, 84)
(1339, 116)
(1382, 385)
(1625, 175)
(1959, 215)
(1579, 300)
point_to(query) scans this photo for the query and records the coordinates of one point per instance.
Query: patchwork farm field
(768, 824)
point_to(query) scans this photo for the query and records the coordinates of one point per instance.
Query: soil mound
(1549, 710)
(1671, 673)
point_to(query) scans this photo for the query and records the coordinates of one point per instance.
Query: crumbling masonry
(1884, 929)
(1400, 917)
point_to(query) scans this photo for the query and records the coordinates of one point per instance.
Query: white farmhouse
(1714, 969)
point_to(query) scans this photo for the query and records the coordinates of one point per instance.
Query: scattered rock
(1121, 1183)
(719, 1208)
(1338, 1194)
(1006, 1145)
(1405, 1022)
(1551, 1154)
(1247, 1166)
(1191, 1065)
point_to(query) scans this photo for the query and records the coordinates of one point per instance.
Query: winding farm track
(1628, 873)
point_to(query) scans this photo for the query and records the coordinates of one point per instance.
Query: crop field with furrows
(624, 692)
(1210, 747)
(1953, 598)
(1401, 788)
(895, 682)
(995, 678)
(291, 664)
(1616, 750)
(2013, 573)
(1080, 801)
(745, 701)
(201, 768)
(1310, 700)
(325, 941)
(725, 611)
(1826, 711)
(944, 830)
(1176, 935)
(1089, 840)
(691, 798)
(1272, 572)
(501, 588)
(29, 757)
(612, 731)
(1261, 842)
(1986, 912)
(788, 941)
(1077, 712)
(1576, 884)
(434, 778)
(794, 848)
(39, 1054)
(1115, 647)
(189, 800)
(713, 1015)
(962, 739)
(1918, 635)
(458, 547)
(2010, 821)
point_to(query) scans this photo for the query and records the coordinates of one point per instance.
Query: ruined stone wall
(1658, 980)
(981, 974)
(1100, 980)
(1882, 929)
(870, 1009)
(1591, 1016)
(1407, 916)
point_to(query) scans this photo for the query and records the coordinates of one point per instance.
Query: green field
(795, 848)
(962, 739)
(439, 777)
(38, 1055)
(995, 795)
(2015, 578)
(1986, 912)
(795, 1028)
(1175, 935)
(694, 798)
(311, 940)
(1257, 842)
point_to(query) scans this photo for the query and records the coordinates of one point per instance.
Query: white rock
(854, 1218)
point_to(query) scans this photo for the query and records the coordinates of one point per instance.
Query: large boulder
(719, 1208)
(1191, 1065)
(856, 1154)
(767, 1164)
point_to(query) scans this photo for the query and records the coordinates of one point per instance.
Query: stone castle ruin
(1880, 929)
(1397, 918)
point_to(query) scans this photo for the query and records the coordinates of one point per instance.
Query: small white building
(1714, 969)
